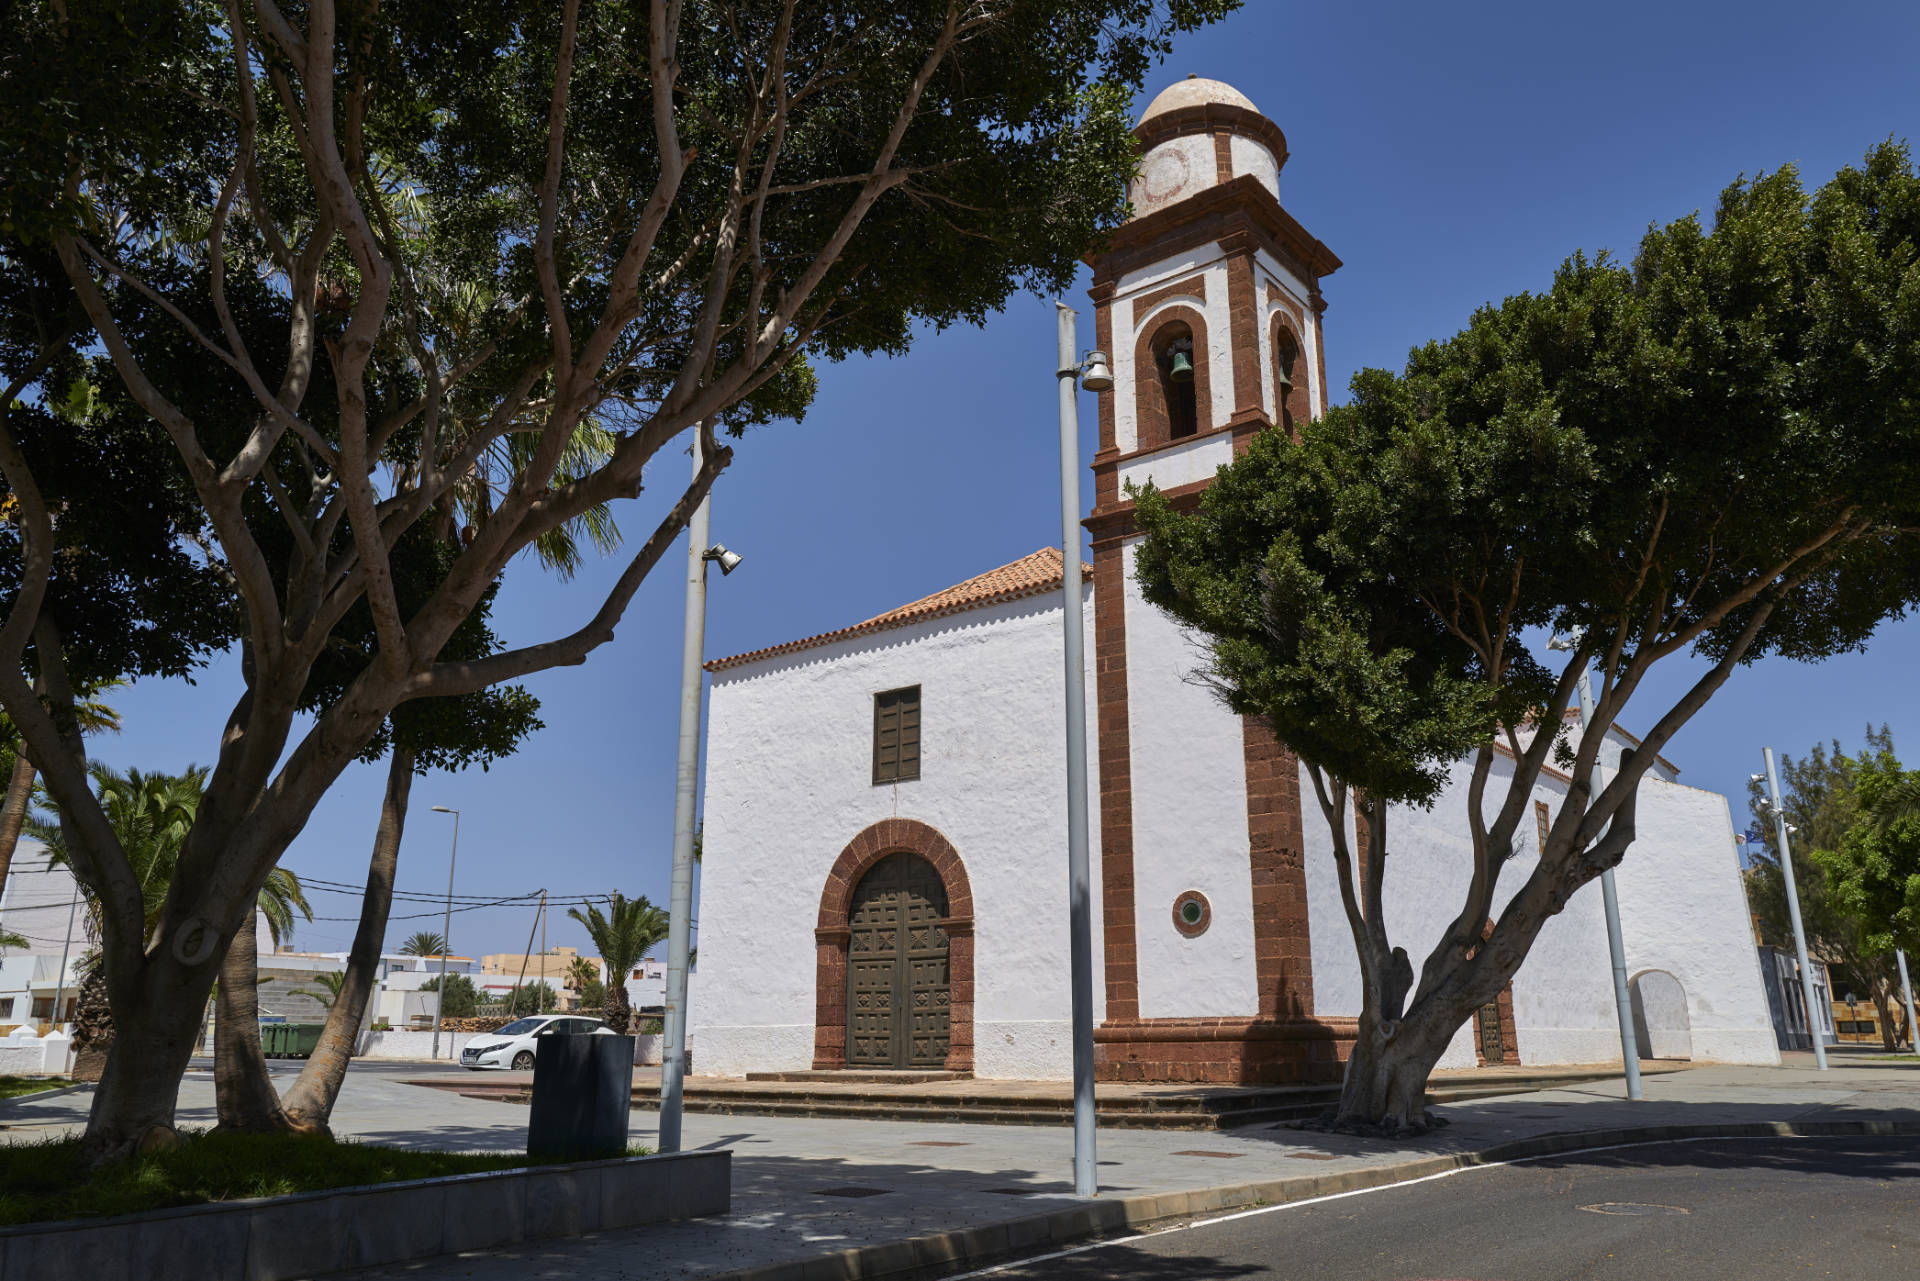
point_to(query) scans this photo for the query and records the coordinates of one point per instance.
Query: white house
(885, 876)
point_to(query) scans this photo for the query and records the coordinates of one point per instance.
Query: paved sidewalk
(805, 1187)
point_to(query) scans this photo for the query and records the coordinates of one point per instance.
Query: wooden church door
(897, 982)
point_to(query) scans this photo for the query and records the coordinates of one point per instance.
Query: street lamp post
(1610, 897)
(1793, 911)
(673, 1058)
(1906, 994)
(1079, 906)
(446, 927)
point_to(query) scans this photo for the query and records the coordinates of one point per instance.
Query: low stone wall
(412, 1045)
(280, 1238)
(33, 1056)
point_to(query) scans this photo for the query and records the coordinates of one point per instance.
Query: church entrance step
(863, 1076)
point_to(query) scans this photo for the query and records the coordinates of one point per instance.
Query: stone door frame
(832, 934)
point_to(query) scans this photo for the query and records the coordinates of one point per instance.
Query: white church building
(884, 881)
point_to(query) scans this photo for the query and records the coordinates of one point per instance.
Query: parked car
(512, 1045)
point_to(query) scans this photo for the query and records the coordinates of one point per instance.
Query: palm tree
(95, 717)
(151, 815)
(424, 943)
(624, 934)
(1897, 801)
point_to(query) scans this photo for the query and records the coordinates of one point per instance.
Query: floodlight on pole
(446, 927)
(673, 1059)
(1609, 893)
(1781, 829)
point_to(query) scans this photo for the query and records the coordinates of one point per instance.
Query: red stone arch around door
(832, 935)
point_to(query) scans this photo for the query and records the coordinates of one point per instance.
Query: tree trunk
(13, 814)
(155, 1030)
(92, 1027)
(1883, 1003)
(244, 1097)
(310, 1101)
(619, 1012)
(1385, 1088)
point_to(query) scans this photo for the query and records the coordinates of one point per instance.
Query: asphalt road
(1739, 1210)
(390, 1067)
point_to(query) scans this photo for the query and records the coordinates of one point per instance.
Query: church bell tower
(1208, 300)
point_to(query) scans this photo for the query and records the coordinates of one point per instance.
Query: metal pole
(446, 929)
(1793, 913)
(673, 1061)
(60, 983)
(1906, 993)
(1079, 898)
(1616, 946)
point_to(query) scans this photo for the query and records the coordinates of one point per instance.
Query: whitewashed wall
(1189, 825)
(789, 784)
(1682, 911)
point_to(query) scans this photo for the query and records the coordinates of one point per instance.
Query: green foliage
(462, 999)
(9, 939)
(1721, 434)
(14, 1086)
(424, 943)
(625, 932)
(593, 994)
(51, 1179)
(1873, 874)
(537, 997)
(151, 815)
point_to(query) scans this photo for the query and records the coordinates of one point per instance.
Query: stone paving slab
(807, 1187)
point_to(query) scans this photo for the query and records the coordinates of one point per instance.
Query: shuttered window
(1541, 818)
(896, 735)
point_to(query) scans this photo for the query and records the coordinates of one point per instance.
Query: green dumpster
(272, 1036)
(300, 1040)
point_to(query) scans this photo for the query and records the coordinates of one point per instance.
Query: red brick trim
(1320, 342)
(1151, 422)
(1198, 927)
(1116, 522)
(1116, 781)
(1276, 855)
(1204, 218)
(1194, 286)
(832, 934)
(1102, 296)
(1220, 119)
(1299, 406)
(1224, 1051)
(1222, 156)
(1243, 327)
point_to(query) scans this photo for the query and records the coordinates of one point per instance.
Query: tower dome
(1199, 133)
(1196, 91)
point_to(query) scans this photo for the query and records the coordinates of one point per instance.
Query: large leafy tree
(1714, 449)
(151, 815)
(1836, 841)
(622, 934)
(420, 243)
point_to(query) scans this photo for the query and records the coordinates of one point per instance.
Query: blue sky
(1449, 154)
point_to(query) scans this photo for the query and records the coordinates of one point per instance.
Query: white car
(512, 1045)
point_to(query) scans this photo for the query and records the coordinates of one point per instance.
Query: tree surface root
(1389, 1127)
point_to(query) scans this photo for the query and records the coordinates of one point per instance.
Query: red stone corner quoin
(832, 934)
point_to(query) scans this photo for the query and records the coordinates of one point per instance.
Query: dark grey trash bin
(582, 1097)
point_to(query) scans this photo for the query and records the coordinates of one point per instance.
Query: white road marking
(1341, 1196)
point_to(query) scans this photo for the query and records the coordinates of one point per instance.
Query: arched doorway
(1660, 1021)
(924, 881)
(898, 982)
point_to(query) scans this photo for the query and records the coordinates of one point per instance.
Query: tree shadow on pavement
(1879, 1159)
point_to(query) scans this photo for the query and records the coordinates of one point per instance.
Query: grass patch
(1895, 1058)
(44, 1181)
(14, 1086)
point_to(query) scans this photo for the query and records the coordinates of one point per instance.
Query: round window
(1192, 913)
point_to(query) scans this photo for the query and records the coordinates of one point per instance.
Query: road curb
(940, 1253)
(46, 1094)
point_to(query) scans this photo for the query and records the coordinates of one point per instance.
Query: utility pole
(1079, 904)
(1610, 897)
(1793, 912)
(446, 927)
(60, 984)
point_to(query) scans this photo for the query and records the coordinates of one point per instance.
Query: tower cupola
(1198, 134)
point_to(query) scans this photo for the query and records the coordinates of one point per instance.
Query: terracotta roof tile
(1029, 576)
